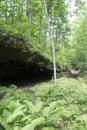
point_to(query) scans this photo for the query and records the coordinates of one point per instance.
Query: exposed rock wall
(16, 56)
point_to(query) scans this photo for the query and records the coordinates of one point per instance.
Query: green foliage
(48, 128)
(45, 107)
(28, 20)
(79, 38)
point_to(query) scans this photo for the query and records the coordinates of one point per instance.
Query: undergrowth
(45, 107)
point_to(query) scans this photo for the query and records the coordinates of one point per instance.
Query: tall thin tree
(51, 38)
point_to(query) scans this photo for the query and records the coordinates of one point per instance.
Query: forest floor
(45, 107)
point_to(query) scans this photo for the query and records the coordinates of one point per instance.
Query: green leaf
(48, 128)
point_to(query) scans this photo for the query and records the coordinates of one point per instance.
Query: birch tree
(51, 38)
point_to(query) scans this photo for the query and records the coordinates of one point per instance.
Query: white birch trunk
(52, 42)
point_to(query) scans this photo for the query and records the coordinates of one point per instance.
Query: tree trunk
(52, 42)
(28, 12)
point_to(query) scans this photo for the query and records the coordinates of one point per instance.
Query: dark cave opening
(23, 74)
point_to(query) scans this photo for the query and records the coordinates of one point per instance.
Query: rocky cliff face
(16, 57)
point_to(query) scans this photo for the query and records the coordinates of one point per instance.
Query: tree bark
(52, 42)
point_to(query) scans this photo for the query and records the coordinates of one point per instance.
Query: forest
(43, 65)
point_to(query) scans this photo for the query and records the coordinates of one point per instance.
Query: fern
(49, 110)
(34, 123)
(45, 90)
(34, 109)
(28, 127)
(29, 106)
(82, 118)
(26, 119)
(17, 112)
(13, 105)
(5, 125)
(5, 114)
(38, 107)
(4, 103)
(48, 128)
(17, 128)
(63, 107)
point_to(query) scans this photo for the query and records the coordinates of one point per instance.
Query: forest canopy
(28, 19)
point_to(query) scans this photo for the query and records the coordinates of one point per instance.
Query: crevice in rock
(22, 74)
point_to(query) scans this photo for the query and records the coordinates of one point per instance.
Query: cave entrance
(23, 74)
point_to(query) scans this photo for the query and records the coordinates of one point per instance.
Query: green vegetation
(45, 107)
(37, 24)
(27, 19)
(81, 42)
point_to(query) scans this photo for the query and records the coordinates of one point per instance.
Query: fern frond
(30, 106)
(38, 105)
(5, 114)
(17, 112)
(48, 128)
(16, 128)
(5, 125)
(13, 105)
(34, 123)
(34, 109)
(26, 119)
(4, 103)
(28, 127)
(49, 110)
